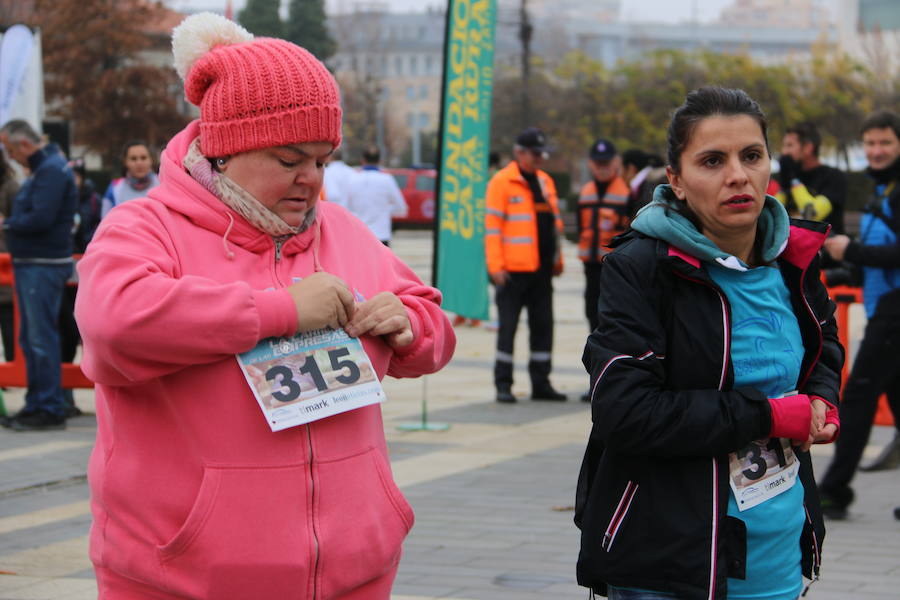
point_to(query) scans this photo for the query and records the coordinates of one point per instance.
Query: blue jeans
(39, 290)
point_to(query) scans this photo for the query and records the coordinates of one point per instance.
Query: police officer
(522, 230)
(602, 215)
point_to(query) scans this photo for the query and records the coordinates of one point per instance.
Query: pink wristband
(791, 417)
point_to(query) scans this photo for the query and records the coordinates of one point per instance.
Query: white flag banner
(17, 63)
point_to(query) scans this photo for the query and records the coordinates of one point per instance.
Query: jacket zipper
(817, 556)
(812, 365)
(726, 352)
(816, 552)
(618, 516)
(312, 504)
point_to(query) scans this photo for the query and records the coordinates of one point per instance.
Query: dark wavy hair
(806, 132)
(881, 119)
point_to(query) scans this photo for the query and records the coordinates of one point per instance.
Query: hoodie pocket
(362, 519)
(246, 536)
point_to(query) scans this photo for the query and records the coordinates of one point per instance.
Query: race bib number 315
(310, 376)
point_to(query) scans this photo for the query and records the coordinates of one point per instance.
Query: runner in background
(697, 480)
(137, 180)
(193, 494)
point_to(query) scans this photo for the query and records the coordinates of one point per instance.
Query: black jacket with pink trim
(653, 490)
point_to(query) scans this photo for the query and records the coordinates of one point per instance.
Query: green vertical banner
(460, 271)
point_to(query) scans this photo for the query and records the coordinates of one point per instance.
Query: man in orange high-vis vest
(602, 215)
(522, 232)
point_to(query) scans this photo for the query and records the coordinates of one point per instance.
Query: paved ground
(492, 494)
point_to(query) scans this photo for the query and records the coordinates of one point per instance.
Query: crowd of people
(52, 215)
(712, 352)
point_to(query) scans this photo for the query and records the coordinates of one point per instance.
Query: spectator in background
(9, 185)
(89, 207)
(338, 176)
(874, 369)
(87, 217)
(635, 168)
(375, 197)
(138, 179)
(39, 235)
(809, 189)
(642, 193)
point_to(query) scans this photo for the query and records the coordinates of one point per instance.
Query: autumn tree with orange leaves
(95, 75)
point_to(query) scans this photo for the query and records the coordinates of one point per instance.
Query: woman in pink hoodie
(193, 494)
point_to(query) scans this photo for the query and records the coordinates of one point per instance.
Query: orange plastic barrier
(12, 374)
(844, 296)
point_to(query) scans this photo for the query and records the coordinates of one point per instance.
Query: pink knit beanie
(253, 92)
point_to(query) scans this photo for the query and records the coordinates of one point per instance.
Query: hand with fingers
(322, 300)
(384, 315)
(500, 277)
(823, 432)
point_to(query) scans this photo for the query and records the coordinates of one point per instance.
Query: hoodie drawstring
(228, 253)
(317, 232)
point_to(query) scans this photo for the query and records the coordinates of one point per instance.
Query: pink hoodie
(192, 494)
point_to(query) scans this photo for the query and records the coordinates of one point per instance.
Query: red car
(417, 186)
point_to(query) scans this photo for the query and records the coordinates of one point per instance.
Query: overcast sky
(671, 11)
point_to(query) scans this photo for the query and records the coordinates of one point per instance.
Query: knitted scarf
(237, 198)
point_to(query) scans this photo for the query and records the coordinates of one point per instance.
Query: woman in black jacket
(715, 366)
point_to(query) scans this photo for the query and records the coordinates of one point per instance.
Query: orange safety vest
(601, 219)
(510, 234)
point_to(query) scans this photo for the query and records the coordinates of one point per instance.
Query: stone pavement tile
(85, 574)
(44, 588)
(33, 509)
(525, 411)
(34, 458)
(509, 593)
(58, 559)
(46, 534)
(522, 541)
(398, 450)
(427, 590)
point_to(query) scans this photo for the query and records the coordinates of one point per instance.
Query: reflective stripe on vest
(525, 217)
(518, 240)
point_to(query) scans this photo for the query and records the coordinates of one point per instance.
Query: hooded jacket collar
(660, 219)
(40, 155)
(182, 194)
